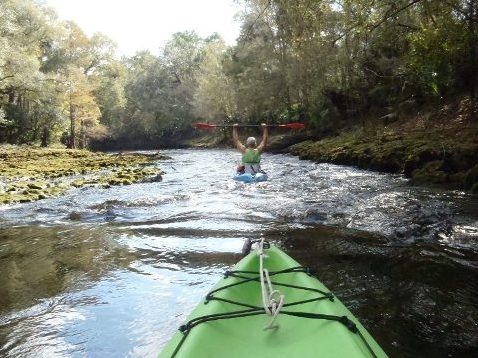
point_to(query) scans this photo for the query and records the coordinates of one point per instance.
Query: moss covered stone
(431, 173)
(37, 185)
(474, 189)
(30, 173)
(471, 179)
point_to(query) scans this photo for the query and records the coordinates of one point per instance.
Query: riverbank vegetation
(30, 174)
(438, 146)
(335, 65)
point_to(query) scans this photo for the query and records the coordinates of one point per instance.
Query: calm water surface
(114, 272)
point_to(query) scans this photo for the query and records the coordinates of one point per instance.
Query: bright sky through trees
(147, 24)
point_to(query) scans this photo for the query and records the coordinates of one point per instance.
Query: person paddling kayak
(251, 152)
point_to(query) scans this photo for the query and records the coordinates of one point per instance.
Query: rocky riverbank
(438, 147)
(30, 173)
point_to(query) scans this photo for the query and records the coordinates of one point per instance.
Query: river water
(114, 272)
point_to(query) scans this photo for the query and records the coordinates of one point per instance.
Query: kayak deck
(231, 321)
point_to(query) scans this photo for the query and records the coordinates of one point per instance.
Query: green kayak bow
(237, 317)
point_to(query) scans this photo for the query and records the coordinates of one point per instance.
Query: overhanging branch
(392, 14)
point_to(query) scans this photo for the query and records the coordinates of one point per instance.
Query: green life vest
(251, 156)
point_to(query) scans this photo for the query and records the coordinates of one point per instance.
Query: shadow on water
(114, 272)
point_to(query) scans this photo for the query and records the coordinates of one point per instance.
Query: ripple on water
(114, 272)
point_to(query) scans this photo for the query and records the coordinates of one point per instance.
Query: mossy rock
(457, 180)
(471, 178)
(36, 186)
(118, 182)
(27, 199)
(384, 164)
(474, 189)
(57, 190)
(461, 160)
(74, 216)
(5, 198)
(20, 185)
(34, 173)
(153, 179)
(124, 176)
(78, 183)
(431, 173)
(299, 148)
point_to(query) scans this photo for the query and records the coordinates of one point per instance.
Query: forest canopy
(313, 61)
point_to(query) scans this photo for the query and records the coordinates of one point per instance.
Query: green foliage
(339, 59)
(46, 69)
(434, 56)
(215, 95)
(110, 93)
(322, 62)
(152, 106)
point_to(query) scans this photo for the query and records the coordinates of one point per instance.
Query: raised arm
(235, 138)
(265, 137)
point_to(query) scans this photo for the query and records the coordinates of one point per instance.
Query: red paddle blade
(202, 125)
(294, 125)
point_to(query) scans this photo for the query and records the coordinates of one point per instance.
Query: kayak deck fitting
(311, 322)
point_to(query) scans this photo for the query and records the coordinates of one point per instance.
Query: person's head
(251, 142)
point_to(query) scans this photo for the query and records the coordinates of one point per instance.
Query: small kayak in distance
(231, 321)
(249, 178)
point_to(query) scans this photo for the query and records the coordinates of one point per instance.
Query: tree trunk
(45, 137)
(34, 123)
(82, 135)
(473, 50)
(12, 98)
(72, 127)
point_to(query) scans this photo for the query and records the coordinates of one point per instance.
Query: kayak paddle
(203, 125)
